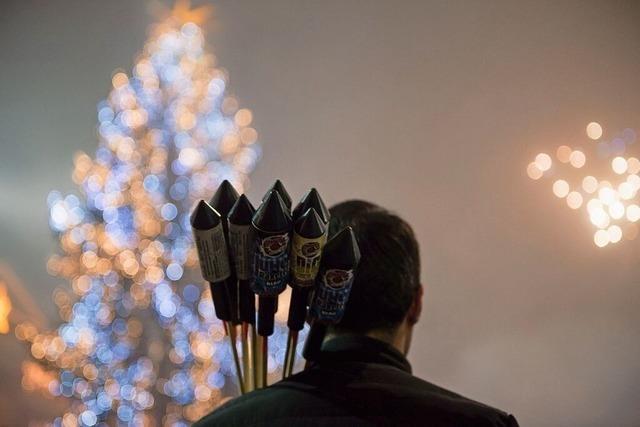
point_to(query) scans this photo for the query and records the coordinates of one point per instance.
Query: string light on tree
(139, 343)
(611, 203)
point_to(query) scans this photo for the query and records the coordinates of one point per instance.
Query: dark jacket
(358, 381)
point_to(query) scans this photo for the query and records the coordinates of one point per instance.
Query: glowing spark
(612, 207)
(534, 171)
(543, 162)
(574, 200)
(601, 238)
(589, 184)
(577, 159)
(561, 188)
(594, 130)
(564, 153)
(619, 165)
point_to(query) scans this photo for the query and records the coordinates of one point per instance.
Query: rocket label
(240, 246)
(332, 294)
(306, 259)
(271, 265)
(273, 246)
(212, 251)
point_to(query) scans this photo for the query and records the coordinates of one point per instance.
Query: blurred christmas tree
(139, 343)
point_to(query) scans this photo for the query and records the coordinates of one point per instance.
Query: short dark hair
(388, 276)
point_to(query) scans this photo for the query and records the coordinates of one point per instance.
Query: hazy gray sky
(432, 109)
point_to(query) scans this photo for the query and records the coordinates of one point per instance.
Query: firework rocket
(240, 245)
(222, 201)
(309, 238)
(278, 187)
(333, 286)
(272, 228)
(207, 226)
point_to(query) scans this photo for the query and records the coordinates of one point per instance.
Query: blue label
(271, 265)
(331, 295)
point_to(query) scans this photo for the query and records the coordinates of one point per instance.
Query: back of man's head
(388, 275)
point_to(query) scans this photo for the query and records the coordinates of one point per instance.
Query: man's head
(385, 300)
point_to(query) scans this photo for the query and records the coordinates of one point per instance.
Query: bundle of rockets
(245, 253)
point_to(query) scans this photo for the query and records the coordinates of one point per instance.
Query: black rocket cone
(342, 251)
(279, 187)
(204, 217)
(272, 215)
(310, 225)
(224, 198)
(312, 200)
(242, 211)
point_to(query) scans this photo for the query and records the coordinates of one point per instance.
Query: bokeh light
(561, 188)
(589, 184)
(615, 233)
(633, 165)
(611, 201)
(601, 238)
(619, 165)
(594, 131)
(633, 213)
(543, 162)
(577, 159)
(534, 171)
(574, 200)
(563, 153)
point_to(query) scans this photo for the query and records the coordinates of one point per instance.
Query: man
(362, 377)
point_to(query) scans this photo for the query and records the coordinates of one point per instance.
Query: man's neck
(395, 338)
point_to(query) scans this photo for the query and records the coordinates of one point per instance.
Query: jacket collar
(360, 348)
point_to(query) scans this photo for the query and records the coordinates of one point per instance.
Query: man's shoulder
(379, 397)
(439, 402)
(415, 398)
(264, 407)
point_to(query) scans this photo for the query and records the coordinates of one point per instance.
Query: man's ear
(413, 315)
